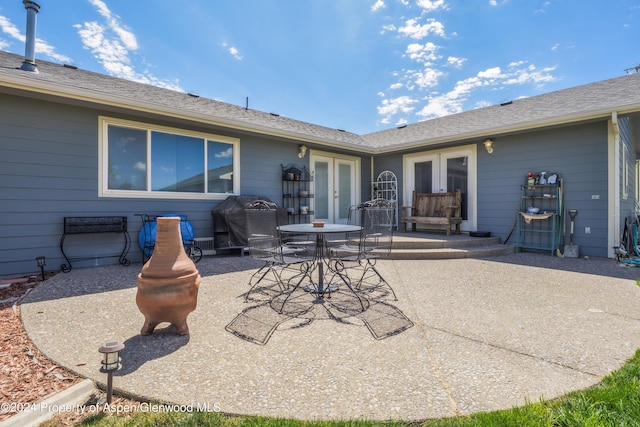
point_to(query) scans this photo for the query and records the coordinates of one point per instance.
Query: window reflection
(457, 179)
(424, 177)
(321, 206)
(177, 163)
(127, 169)
(220, 167)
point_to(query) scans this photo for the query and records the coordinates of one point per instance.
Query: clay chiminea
(168, 283)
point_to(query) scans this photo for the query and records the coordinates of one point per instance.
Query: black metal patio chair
(265, 244)
(357, 258)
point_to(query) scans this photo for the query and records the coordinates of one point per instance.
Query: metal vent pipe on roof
(29, 63)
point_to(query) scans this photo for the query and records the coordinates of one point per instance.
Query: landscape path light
(41, 263)
(110, 363)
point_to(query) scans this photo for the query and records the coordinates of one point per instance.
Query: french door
(336, 185)
(441, 172)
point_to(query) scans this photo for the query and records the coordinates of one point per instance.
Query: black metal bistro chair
(358, 257)
(265, 244)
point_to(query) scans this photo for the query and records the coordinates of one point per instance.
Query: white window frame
(103, 161)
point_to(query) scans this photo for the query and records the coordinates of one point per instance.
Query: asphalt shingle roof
(585, 102)
(105, 89)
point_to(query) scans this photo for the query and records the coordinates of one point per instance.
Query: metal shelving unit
(296, 193)
(540, 216)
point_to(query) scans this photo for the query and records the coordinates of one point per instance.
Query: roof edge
(524, 126)
(81, 94)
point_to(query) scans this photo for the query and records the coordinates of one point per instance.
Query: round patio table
(319, 258)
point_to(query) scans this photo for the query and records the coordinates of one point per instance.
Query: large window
(139, 160)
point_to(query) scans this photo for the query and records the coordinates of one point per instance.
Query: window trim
(103, 161)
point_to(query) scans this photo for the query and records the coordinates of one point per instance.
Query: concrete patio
(485, 334)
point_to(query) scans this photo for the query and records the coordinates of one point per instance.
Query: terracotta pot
(168, 283)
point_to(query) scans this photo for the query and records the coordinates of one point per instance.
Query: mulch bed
(26, 376)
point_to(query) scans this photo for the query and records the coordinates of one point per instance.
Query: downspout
(29, 63)
(614, 198)
(371, 196)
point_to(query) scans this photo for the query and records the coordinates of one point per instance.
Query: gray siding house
(77, 143)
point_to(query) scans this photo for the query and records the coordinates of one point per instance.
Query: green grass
(613, 402)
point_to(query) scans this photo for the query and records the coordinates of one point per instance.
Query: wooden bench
(434, 208)
(92, 225)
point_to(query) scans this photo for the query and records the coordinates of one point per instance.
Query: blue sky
(358, 65)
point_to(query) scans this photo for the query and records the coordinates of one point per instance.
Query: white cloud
(422, 53)
(391, 107)
(482, 104)
(450, 102)
(429, 5)
(9, 28)
(427, 78)
(544, 7)
(233, 51)
(456, 62)
(225, 154)
(388, 28)
(439, 106)
(41, 46)
(111, 44)
(126, 36)
(413, 29)
(531, 74)
(421, 91)
(453, 101)
(111, 53)
(379, 4)
(491, 73)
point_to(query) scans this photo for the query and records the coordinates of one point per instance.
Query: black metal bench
(93, 225)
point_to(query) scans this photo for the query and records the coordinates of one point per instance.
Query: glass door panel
(457, 178)
(335, 188)
(445, 171)
(345, 193)
(423, 172)
(322, 203)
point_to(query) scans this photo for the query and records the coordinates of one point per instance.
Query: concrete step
(434, 246)
(407, 242)
(452, 253)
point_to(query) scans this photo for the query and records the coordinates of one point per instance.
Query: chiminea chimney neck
(29, 63)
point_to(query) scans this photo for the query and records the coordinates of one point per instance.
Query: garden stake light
(41, 263)
(110, 363)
